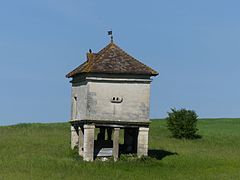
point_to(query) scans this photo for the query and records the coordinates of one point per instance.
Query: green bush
(182, 123)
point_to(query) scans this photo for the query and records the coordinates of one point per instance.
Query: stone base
(135, 140)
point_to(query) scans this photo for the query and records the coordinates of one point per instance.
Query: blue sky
(195, 45)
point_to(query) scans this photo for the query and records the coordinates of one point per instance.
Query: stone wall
(113, 99)
(134, 105)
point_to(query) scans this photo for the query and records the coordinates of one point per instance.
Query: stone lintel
(112, 124)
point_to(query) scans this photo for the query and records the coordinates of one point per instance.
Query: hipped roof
(112, 60)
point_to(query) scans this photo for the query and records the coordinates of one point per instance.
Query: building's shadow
(160, 154)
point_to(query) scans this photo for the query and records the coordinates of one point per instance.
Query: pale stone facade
(93, 99)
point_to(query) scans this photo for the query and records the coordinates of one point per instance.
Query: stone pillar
(80, 140)
(142, 147)
(74, 137)
(116, 143)
(88, 142)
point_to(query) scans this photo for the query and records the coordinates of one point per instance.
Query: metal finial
(110, 34)
(111, 38)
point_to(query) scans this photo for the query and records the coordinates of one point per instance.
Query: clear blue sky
(195, 45)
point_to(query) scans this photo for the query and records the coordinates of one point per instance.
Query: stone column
(142, 147)
(74, 137)
(80, 140)
(116, 143)
(88, 142)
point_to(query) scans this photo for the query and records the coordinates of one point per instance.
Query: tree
(182, 123)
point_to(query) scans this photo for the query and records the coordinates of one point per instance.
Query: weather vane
(111, 34)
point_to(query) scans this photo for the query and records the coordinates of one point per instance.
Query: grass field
(42, 151)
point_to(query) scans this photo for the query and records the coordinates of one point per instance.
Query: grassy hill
(42, 151)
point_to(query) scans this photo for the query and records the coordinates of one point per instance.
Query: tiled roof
(112, 60)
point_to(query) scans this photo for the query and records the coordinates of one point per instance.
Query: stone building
(110, 91)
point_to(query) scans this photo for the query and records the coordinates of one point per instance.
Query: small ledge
(118, 79)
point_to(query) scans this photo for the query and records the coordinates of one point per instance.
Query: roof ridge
(103, 49)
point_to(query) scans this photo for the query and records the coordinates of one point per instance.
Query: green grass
(42, 151)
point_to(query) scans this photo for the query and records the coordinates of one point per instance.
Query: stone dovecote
(110, 92)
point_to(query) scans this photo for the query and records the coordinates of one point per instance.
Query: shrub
(182, 123)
